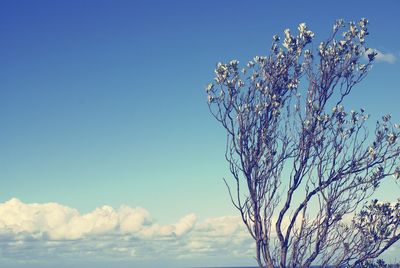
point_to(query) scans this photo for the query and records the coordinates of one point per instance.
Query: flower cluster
(396, 173)
(346, 52)
(290, 58)
(305, 35)
(221, 73)
(297, 43)
(378, 221)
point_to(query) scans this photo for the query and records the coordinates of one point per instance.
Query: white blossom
(250, 64)
(371, 152)
(363, 22)
(391, 138)
(302, 27)
(234, 64)
(209, 87)
(396, 173)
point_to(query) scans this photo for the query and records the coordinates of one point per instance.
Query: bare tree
(302, 165)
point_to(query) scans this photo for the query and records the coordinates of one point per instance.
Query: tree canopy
(303, 166)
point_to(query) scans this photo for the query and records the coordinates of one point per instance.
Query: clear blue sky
(102, 102)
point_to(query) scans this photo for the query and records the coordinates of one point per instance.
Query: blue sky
(102, 102)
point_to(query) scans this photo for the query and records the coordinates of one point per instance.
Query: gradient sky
(103, 102)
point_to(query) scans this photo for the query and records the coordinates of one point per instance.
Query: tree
(302, 165)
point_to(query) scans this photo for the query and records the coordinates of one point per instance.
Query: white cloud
(132, 220)
(185, 224)
(32, 233)
(221, 226)
(57, 222)
(36, 231)
(383, 57)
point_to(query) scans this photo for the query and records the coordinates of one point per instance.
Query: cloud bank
(31, 232)
(47, 235)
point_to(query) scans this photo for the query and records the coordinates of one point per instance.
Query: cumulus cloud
(51, 232)
(382, 57)
(36, 231)
(52, 221)
(185, 224)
